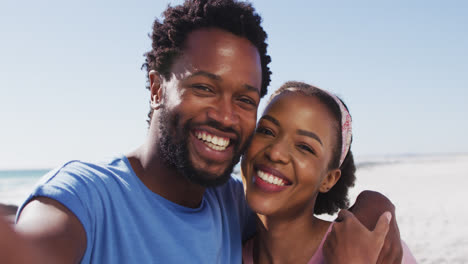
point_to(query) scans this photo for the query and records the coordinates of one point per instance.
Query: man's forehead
(220, 53)
(217, 42)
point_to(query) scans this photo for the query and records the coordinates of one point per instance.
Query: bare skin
(47, 233)
(289, 242)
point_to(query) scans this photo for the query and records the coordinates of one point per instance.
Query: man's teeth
(212, 141)
(270, 178)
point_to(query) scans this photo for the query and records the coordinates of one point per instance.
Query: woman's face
(286, 164)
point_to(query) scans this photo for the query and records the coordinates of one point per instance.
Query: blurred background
(72, 85)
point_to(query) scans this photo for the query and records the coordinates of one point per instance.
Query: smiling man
(207, 107)
(172, 200)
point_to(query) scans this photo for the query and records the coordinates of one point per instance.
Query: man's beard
(174, 151)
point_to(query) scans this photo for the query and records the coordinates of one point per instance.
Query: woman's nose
(278, 151)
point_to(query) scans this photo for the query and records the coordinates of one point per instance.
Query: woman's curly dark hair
(238, 18)
(337, 197)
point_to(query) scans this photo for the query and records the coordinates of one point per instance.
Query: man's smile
(213, 141)
(213, 147)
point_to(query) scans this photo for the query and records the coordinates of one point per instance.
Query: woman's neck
(281, 240)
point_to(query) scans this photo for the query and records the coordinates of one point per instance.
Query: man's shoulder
(233, 184)
(114, 163)
(231, 192)
(79, 184)
(83, 171)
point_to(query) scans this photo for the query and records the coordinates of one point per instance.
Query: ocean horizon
(16, 184)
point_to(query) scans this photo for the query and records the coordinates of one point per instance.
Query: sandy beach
(429, 194)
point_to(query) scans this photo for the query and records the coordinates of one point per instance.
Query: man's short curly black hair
(337, 197)
(238, 18)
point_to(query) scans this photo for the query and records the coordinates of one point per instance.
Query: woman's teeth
(212, 141)
(270, 178)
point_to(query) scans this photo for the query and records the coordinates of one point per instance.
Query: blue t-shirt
(125, 222)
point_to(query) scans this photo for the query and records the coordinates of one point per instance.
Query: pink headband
(346, 128)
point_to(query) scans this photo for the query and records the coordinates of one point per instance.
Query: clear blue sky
(71, 85)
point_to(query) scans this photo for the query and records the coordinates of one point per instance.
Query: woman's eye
(306, 148)
(265, 131)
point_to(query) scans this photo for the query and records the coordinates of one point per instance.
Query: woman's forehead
(299, 109)
(294, 102)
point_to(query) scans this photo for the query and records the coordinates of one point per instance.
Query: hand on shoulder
(351, 242)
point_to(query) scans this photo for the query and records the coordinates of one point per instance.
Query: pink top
(317, 258)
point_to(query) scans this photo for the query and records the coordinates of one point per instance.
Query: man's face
(209, 105)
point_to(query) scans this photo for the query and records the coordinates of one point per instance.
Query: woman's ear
(155, 89)
(330, 180)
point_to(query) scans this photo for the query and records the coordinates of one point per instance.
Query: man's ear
(330, 180)
(155, 89)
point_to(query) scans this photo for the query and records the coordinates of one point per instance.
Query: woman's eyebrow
(309, 134)
(298, 131)
(271, 119)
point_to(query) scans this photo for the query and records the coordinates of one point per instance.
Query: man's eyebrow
(218, 78)
(206, 74)
(309, 134)
(271, 119)
(252, 89)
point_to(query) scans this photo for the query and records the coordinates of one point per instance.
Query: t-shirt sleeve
(72, 185)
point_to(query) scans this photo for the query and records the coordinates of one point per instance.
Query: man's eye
(202, 88)
(248, 101)
(265, 131)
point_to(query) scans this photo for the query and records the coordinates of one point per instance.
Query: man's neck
(166, 182)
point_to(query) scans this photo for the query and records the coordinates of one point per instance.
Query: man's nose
(224, 113)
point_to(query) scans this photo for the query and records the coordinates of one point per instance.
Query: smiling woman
(298, 143)
(299, 163)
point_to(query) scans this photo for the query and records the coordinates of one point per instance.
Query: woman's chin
(261, 206)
